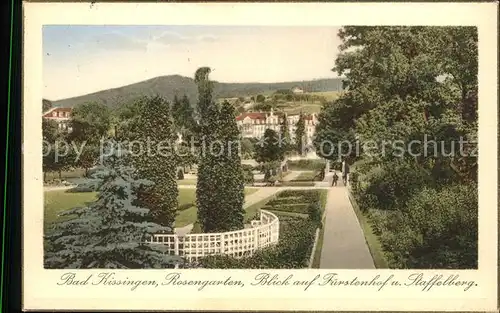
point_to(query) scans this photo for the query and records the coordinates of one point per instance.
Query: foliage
(405, 85)
(437, 229)
(306, 165)
(391, 185)
(285, 135)
(220, 184)
(157, 163)
(260, 98)
(180, 174)
(269, 149)
(299, 134)
(248, 147)
(248, 176)
(292, 251)
(89, 122)
(111, 232)
(56, 156)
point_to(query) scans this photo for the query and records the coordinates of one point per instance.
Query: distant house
(61, 116)
(297, 90)
(254, 124)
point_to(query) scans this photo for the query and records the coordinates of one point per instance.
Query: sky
(80, 59)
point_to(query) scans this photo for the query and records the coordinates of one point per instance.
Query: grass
(186, 217)
(329, 95)
(58, 201)
(306, 176)
(371, 239)
(317, 253)
(186, 182)
(252, 210)
(74, 173)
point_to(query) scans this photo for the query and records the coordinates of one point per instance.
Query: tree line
(410, 84)
(138, 195)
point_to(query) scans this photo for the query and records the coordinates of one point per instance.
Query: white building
(61, 116)
(297, 90)
(254, 124)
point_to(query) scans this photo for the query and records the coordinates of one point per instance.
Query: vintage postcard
(302, 157)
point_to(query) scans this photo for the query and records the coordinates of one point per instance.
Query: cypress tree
(156, 160)
(220, 189)
(299, 134)
(285, 134)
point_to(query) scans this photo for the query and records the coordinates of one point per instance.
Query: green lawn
(74, 173)
(309, 175)
(186, 182)
(186, 217)
(58, 201)
(371, 239)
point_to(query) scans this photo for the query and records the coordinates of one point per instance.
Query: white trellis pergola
(262, 233)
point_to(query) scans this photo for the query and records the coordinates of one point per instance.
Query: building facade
(61, 116)
(254, 124)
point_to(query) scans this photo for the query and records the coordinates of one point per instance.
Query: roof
(252, 115)
(57, 109)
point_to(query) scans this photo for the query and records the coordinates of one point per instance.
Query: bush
(437, 229)
(292, 251)
(298, 183)
(306, 195)
(393, 185)
(248, 174)
(285, 200)
(314, 211)
(294, 208)
(306, 165)
(180, 174)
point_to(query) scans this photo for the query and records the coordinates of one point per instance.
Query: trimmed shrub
(295, 208)
(292, 251)
(298, 183)
(314, 211)
(311, 165)
(285, 200)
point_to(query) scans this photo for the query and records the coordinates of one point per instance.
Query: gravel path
(344, 244)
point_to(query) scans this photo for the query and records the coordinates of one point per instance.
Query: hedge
(296, 208)
(312, 165)
(298, 183)
(292, 251)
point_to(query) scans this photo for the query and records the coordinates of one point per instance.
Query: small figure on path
(345, 172)
(335, 178)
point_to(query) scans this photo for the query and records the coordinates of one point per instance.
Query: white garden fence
(239, 243)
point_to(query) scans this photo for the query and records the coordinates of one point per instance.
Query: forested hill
(169, 86)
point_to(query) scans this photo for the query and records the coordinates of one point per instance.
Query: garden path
(344, 244)
(292, 175)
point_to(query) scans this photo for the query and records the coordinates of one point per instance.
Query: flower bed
(299, 213)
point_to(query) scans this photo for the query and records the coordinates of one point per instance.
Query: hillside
(169, 86)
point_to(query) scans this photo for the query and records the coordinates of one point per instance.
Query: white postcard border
(40, 290)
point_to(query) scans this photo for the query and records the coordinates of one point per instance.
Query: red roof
(252, 115)
(56, 109)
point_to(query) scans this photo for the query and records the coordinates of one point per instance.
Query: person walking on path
(345, 172)
(335, 178)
